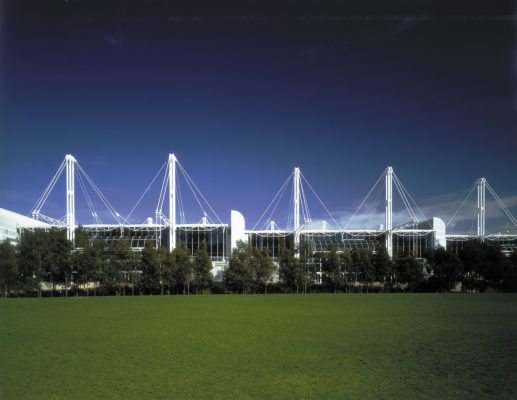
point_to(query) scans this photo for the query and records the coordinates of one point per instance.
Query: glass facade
(412, 243)
(345, 241)
(271, 241)
(137, 235)
(190, 237)
(405, 243)
(215, 237)
(507, 243)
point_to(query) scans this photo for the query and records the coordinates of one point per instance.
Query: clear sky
(244, 91)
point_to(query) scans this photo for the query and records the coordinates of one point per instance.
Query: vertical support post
(172, 202)
(481, 183)
(389, 210)
(70, 196)
(296, 208)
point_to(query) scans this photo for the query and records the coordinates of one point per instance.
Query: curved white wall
(439, 229)
(237, 228)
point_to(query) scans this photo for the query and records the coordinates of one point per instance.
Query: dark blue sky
(243, 92)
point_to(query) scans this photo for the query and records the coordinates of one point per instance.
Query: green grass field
(378, 346)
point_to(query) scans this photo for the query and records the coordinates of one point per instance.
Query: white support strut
(296, 208)
(481, 184)
(172, 202)
(389, 210)
(70, 196)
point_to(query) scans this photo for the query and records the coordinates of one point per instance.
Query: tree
(287, 267)
(81, 237)
(169, 269)
(362, 265)
(304, 274)
(238, 277)
(9, 279)
(365, 265)
(149, 265)
(447, 269)
(32, 247)
(294, 271)
(184, 268)
(100, 268)
(410, 271)
(382, 264)
(115, 266)
(472, 256)
(510, 278)
(84, 264)
(494, 267)
(202, 269)
(58, 258)
(331, 265)
(263, 268)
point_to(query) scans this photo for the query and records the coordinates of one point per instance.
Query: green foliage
(447, 269)
(43, 256)
(333, 277)
(287, 267)
(202, 269)
(167, 269)
(408, 270)
(46, 259)
(9, 279)
(238, 277)
(262, 268)
(115, 268)
(382, 265)
(150, 266)
(184, 269)
(81, 237)
(486, 267)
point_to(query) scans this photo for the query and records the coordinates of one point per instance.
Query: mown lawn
(342, 346)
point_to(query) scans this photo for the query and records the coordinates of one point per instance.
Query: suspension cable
(163, 190)
(364, 201)
(186, 175)
(283, 188)
(88, 199)
(103, 198)
(276, 195)
(321, 202)
(461, 205)
(145, 192)
(501, 204)
(404, 198)
(44, 196)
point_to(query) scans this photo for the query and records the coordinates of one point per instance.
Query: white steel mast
(70, 196)
(296, 208)
(481, 183)
(389, 210)
(172, 202)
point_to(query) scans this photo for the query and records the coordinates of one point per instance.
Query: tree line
(47, 260)
(46, 263)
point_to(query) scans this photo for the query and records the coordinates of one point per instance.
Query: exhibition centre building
(409, 239)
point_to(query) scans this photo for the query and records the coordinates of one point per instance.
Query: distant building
(11, 223)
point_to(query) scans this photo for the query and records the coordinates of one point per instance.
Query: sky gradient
(243, 92)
